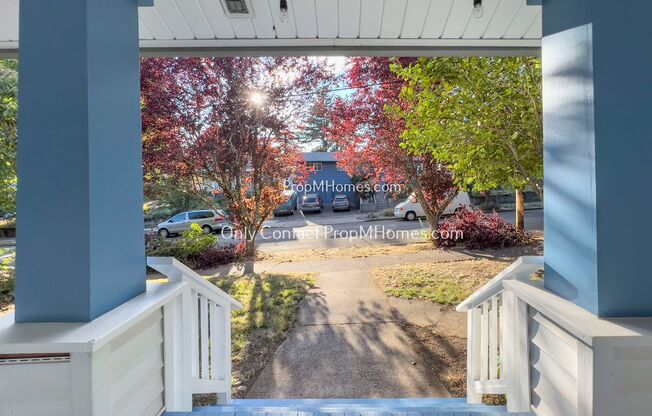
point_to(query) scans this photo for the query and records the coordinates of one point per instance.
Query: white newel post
(585, 375)
(198, 325)
(516, 357)
(177, 333)
(473, 355)
(223, 350)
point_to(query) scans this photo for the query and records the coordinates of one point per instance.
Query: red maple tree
(370, 139)
(221, 127)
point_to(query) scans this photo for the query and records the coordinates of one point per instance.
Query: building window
(200, 215)
(316, 166)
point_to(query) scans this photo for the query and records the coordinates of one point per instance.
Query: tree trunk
(433, 221)
(520, 210)
(250, 247)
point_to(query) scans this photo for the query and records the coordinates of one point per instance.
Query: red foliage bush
(480, 231)
(217, 256)
(207, 258)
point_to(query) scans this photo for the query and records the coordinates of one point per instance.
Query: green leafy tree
(312, 131)
(480, 116)
(364, 185)
(172, 195)
(8, 133)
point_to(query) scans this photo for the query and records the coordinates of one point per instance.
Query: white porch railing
(497, 360)
(197, 337)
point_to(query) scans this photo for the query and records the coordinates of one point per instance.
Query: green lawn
(446, 283)
(270, 309)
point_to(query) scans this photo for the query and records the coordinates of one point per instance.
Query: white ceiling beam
(343, 47)
(334, 26)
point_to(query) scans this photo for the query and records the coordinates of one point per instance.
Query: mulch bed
(445, 356)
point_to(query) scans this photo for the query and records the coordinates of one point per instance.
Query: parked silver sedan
(208, 220)
(341, 203)
(311, 203)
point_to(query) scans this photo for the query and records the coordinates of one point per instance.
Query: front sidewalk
(300, 219)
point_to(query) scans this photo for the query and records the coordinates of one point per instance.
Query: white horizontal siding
(633, 379)
(549, 341)
(553, 368)
(136, 380)
(37, 408)
(148, 395)
(134, 345)
(35, 389)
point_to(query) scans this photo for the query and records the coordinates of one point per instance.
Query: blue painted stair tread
(349, 407)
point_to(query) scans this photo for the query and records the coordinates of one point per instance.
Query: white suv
(410, 209)
(208, 220)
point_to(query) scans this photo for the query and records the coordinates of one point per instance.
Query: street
(331, 230)
(323, 231)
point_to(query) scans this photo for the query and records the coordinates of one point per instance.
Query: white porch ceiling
(377, 27)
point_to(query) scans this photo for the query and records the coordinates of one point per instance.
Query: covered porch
(577, 343)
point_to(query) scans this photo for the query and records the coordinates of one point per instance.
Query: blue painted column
(80, 220)
(597, 93)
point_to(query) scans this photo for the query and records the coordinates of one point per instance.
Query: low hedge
(195, 249)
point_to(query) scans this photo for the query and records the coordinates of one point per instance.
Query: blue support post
(80, 221)
(598, 153)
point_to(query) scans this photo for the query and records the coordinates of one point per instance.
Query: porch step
(349, 407)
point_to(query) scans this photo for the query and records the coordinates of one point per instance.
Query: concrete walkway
(347, 343)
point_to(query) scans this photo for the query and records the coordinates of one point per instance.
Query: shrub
(481, 231)
(195, 249)
(195, 241)
(158, 214)
(216, 256)
(158, 247)
(8, 223)
(7, 286)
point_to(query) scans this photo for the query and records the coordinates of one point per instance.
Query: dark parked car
(311, 203)
(8, 216)
(341, 203)
(289, 206)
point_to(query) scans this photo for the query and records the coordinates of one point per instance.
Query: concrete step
(348, 407)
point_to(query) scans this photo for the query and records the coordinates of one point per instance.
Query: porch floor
(349, 407)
